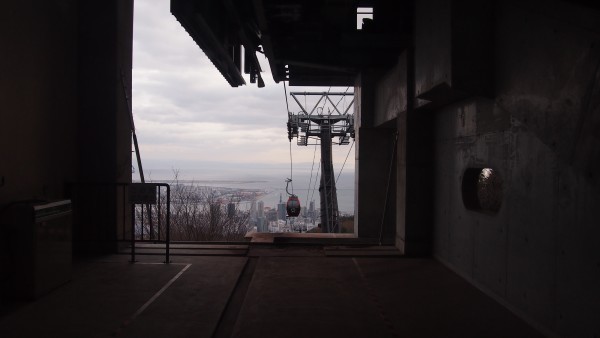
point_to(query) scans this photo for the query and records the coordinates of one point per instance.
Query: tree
(197, 214)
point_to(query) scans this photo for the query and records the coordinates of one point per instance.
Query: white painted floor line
(141, 263)
(160, 263)
(156, 295)
(153, 298)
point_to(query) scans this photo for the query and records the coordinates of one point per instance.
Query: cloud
(186, 113)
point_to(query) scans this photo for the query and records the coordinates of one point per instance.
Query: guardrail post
(168, 235)
(132, 233)
(146, 193)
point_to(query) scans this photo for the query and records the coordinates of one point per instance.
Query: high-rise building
(281, 213)
(271, 215)
(261, 224)
(261, 209)
(253, 212)
(312, 213)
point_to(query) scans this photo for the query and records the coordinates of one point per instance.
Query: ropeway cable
(316, 180)
(343, 96)
(311, 173)
(340, 173)
(291, 168)
(387, 188)
(291, 161)
(286, 99)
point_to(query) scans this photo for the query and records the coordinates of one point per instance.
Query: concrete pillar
(415, 184)
(375, 188)
(104, 138)
(327, 189)
(414, 217)
(386, 100)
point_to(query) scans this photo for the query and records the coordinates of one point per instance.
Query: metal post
(142, 224)
(159, 213)
(132, 233)
(168, 239)
(151, 222)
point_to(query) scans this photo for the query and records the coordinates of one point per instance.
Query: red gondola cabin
(293, 206)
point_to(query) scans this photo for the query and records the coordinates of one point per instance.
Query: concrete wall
(38, 110)
(38, 90)
(513, 86)
(411, 135)
(453, 51)
(376, 197)
(64, 122)
(390, 94)
(539, 254)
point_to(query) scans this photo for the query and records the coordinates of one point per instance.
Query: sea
(271, 181)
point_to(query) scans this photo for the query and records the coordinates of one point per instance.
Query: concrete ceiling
(308, 42)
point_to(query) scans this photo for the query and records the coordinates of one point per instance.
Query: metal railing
(91, 197)
(147, 194)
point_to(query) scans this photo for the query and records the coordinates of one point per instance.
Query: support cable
(344, 164)
(291, 168)
(288, 110)
(138, 157)
(311, 172)
(316, 180)
(325, 101)
(305, 100)
(343, 96)
(387, 188)
(286, 99)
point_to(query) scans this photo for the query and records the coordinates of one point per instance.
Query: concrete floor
(272, 291)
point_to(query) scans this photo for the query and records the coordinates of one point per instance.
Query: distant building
(231, 209)
(312, 213)
(281, 213)
(261, 209)
(253, 212)
(271, 215)
(262, 224)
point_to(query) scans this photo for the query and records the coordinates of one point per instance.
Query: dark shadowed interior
(477, 156)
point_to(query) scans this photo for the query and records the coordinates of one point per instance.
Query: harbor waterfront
(266, 187)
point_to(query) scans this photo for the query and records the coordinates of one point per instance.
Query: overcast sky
(187, 115)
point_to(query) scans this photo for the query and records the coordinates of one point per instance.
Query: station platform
(269, 290)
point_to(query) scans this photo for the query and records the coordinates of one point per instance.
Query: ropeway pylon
(315, 124)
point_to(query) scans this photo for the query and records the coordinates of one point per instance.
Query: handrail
(125, 186)
(168, 221)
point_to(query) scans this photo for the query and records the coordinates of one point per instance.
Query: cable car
(293, 206)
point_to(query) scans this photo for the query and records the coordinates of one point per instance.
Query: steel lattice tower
(315, 124)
